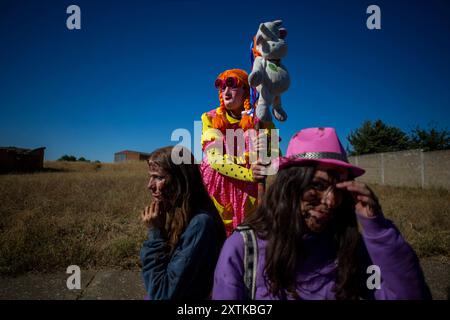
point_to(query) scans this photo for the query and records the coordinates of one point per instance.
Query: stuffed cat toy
(268, 75)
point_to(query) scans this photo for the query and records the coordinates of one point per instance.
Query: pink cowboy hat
(319, 145)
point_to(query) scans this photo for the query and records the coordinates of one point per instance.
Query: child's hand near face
(366, 202)
(153, 216)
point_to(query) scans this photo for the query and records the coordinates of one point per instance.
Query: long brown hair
(186, 189)
(278, 220)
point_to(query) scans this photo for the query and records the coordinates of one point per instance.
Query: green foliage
(375, 137)
(73, 159)
(430, 139)
(67, 158)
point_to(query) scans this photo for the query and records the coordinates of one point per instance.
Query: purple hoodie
(401, 275)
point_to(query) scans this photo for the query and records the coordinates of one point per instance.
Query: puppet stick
(261, 185)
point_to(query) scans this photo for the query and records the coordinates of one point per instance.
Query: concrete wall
(437, 169)
(412, 168)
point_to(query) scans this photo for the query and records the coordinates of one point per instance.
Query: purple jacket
(401, 275)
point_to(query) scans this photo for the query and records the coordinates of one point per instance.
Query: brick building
(14, 159)
(128, 155)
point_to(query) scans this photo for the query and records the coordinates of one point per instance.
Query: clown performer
(228, 173)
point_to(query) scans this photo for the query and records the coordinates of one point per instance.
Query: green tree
(67, 158)
(374, 137)
(83, 159)
(430, 139)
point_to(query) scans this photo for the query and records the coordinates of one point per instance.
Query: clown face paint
(234, 100)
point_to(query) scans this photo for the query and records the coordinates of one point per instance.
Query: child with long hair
(307, 244)
(185, 232)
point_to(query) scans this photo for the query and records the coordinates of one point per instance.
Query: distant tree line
(375, 137)
(73, 158)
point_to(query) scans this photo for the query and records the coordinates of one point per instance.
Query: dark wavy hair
(186, 189)
(278, 220)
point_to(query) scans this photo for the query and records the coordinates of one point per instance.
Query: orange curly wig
(220, 120)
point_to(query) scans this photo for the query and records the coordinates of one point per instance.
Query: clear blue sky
(137, 70)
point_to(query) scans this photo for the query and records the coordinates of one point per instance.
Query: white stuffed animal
(268, 75)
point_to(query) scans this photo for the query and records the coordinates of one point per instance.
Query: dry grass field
(88, 214)
(75, 213)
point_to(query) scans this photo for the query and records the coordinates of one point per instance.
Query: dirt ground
(128, 285)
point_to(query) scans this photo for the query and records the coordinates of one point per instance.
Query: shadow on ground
(128, 285)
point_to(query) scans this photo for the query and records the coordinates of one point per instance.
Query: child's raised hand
(366, 202)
